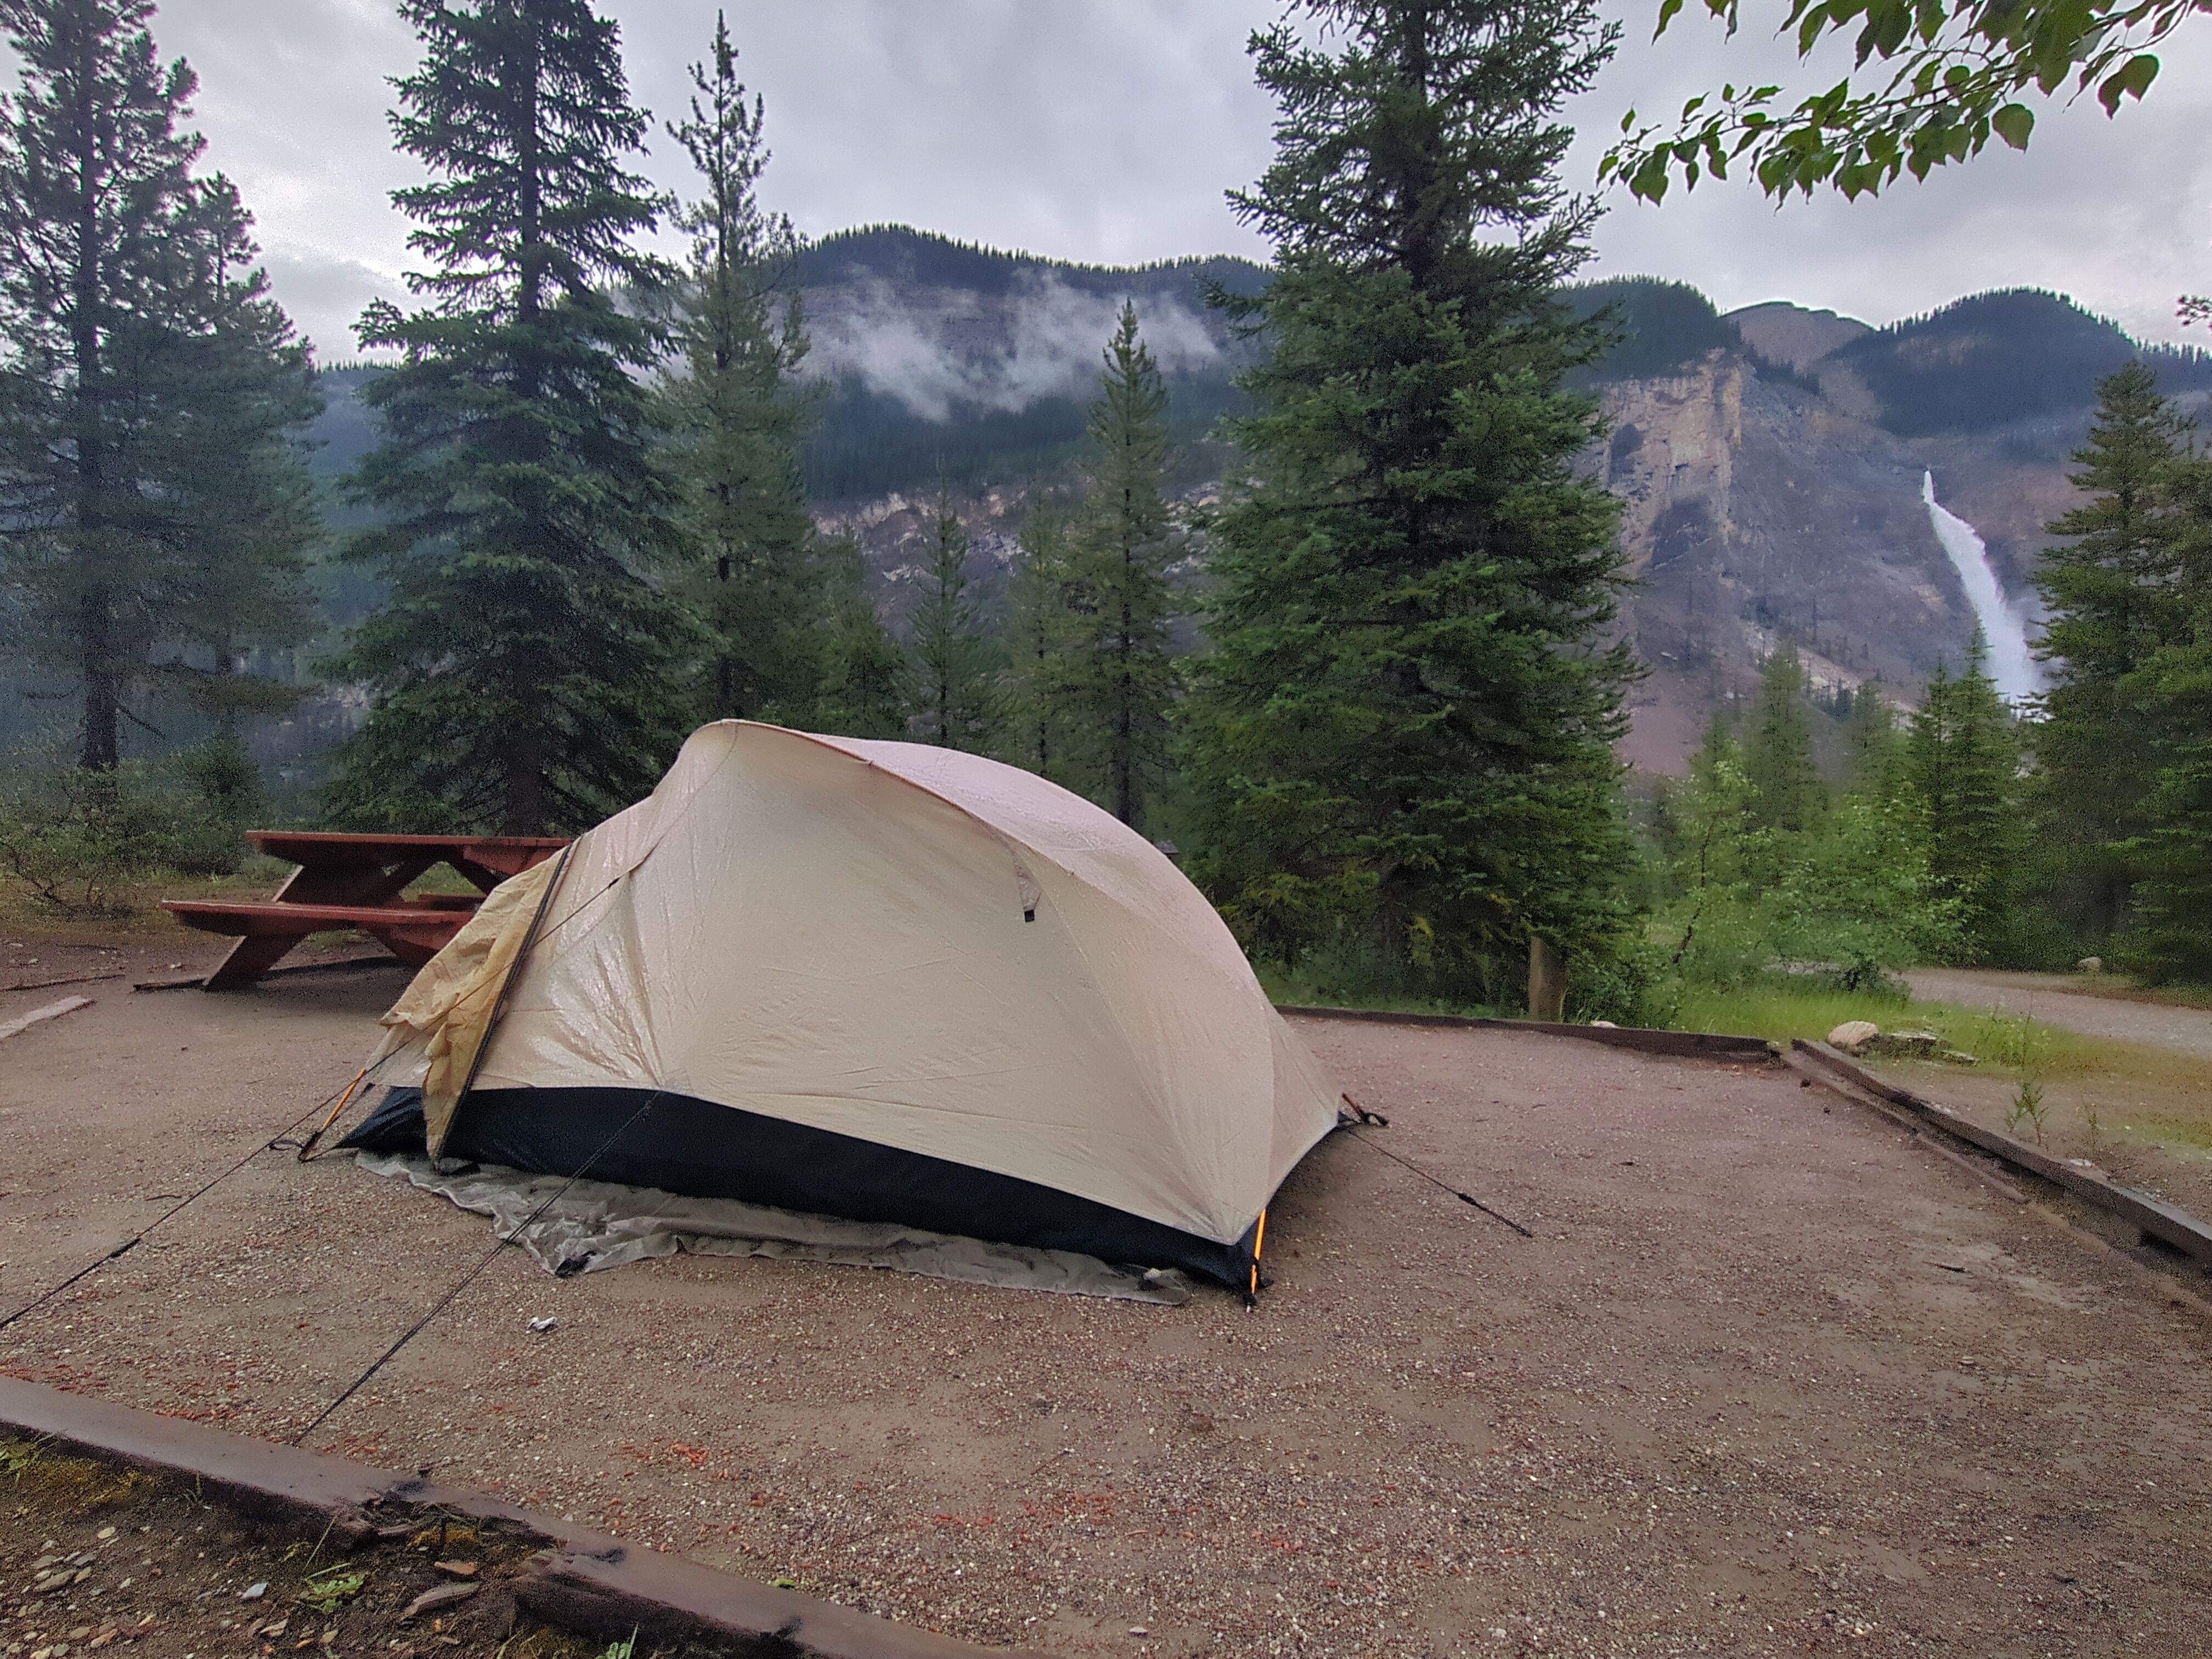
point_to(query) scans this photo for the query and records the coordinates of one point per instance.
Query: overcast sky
(1107, 129)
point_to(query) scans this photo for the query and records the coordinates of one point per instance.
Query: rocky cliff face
(1773, 490)
(1754, 510)
(1770, 463)
(1764, 498)
(898, 536)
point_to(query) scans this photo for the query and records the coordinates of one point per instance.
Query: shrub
(75, 839)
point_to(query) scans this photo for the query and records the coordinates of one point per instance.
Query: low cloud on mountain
(943, 350)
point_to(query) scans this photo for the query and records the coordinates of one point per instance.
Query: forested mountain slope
(1770, 461)
(936, 357)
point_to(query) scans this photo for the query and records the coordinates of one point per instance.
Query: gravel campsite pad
(1767, 1378)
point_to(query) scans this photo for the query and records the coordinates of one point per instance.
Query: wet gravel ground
(1768, 1380)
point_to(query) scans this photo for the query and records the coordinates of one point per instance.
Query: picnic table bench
(357, 881)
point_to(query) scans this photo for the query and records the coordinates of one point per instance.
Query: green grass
(1780, 1010)
(2195, 1132)
(139, 898)
(1783, 1011)
(2118, 987)
(139, 901)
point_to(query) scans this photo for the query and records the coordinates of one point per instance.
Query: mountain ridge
(1770, 460)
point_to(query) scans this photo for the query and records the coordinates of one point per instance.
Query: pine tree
(1113, 679)
(2108, 591)
(2171, 935)
(862, 692)
(1874, 755)
(1720, 857)
(151, 506)
(956, 698)
(248, 512)
(739, 417)
(1403, 735)
(1963, 759)
(1040, 625)
(244, 389)
(1779, 758)
(529, 675)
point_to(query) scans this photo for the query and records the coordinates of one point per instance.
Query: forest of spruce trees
(1369, 696)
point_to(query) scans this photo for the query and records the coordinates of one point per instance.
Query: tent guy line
(499, 1242)
(1445, 1186)
(136, 1239)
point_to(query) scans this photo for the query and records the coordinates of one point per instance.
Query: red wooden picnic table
(355, 881)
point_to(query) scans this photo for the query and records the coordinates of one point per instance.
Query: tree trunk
(1547, 981)
(526, 807)
(527, 802)
(101, 748)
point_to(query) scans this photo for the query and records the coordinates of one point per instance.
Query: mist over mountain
(938, 357)
(943, 328)
(1770, 461)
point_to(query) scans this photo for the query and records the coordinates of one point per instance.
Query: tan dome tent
(878, 980)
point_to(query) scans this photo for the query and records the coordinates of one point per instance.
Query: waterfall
(2014, 669)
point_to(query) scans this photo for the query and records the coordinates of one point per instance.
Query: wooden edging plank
(588, 1582)
(40, 1016)
(1695, 1045)
(1922, 1137)
(2160, 1220)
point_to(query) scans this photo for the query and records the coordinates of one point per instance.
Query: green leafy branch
(1958, 73)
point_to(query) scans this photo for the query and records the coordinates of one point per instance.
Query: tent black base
(681, 1145)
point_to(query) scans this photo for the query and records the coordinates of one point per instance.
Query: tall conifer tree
(1874, 752)
(1964, 758)
(1113, 680)
(1778, 756)
(2108, 590)
(154, 511)
(529, 676)
(1406, 724)
(244, 389)
(955, 699)
(1038, 633)
(862, 692)
(2171, 935)
(738, 416)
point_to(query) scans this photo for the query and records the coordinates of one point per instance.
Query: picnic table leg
(248, 960)
(252, 957)
(489, 876)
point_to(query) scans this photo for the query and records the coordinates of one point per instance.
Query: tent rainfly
(878, 980)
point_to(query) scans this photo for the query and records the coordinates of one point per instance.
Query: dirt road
(2048, 998)
(1768, 1380)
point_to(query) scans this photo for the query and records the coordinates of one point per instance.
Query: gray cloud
(1107, 131)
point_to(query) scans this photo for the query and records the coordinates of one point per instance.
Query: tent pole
(307, 1146)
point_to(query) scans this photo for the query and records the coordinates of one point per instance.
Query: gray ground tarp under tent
(595, 1224)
